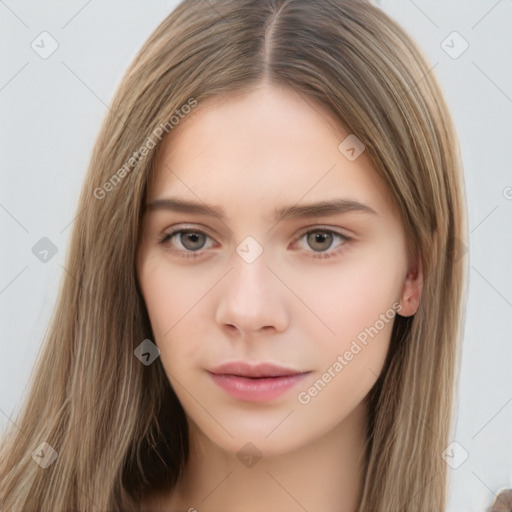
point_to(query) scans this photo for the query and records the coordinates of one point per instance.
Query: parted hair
(116, 424)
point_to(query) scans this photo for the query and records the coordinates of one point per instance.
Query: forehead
(259, 149)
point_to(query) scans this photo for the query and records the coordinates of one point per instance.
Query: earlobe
(411, 293)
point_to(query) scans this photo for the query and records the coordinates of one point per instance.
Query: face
(267, 304)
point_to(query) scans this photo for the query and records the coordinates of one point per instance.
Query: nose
(252, 300)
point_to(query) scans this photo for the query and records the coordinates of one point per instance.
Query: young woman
(264, 291)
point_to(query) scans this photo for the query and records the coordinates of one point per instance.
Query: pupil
(322, 238)
(193, 238)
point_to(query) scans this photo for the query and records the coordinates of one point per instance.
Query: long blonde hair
(116, 424)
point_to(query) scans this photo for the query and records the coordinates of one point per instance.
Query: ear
(412, 288)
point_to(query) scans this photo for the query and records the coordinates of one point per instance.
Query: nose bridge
(251, 297)
(248, 285)
(251, 277)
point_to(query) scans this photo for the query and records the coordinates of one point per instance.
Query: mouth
(260, 382)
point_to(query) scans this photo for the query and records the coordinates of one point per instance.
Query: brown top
(503, 502)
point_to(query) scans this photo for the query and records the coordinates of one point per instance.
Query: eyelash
(197, 254)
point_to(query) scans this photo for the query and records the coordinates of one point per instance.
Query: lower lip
(256, 390)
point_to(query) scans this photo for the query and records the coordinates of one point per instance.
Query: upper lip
(254, 370)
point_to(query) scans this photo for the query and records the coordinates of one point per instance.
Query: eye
(321, 240)
(190, 241)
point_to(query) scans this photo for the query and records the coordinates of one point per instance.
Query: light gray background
(51, 111)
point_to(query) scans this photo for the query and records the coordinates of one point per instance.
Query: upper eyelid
(306, 229)
(337, 231)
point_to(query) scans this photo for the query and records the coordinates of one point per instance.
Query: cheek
(169, 293)
(360, 306)
(173, 300)
(351, 296)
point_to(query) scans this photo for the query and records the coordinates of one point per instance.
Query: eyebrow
(318, 209)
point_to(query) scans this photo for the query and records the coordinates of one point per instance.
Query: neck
(325, 475)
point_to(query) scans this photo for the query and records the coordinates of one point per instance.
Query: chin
(258, 434)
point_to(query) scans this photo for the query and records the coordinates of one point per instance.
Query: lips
(254, 371)
(259, 382)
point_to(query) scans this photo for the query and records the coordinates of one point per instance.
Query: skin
(250, 153)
